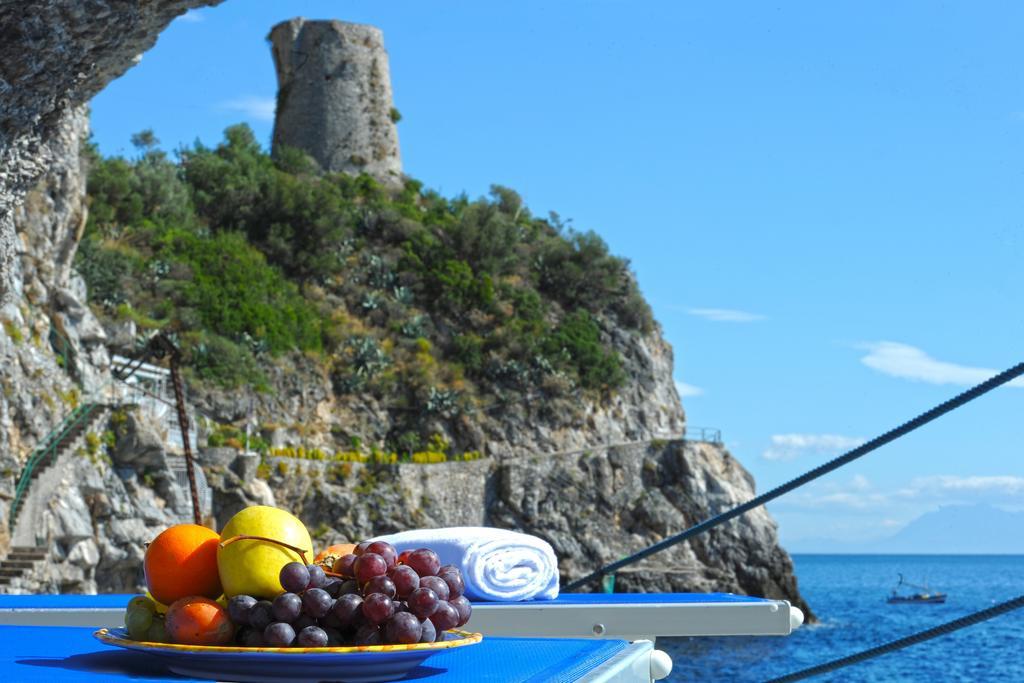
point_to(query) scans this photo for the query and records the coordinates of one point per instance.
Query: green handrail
(47, 448)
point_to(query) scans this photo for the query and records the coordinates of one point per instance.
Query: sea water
(847, 593)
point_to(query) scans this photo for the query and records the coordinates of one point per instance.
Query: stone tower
(334, 97)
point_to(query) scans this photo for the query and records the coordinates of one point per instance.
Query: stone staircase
(66, 437)
(20, 560)
(23, 561)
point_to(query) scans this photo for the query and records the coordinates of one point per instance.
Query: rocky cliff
(304, 410)
(97, 504)
(40, 385)
(107, 496)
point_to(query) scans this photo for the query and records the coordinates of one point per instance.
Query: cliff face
(53, 59)
(49, 225)
(592, 506)
(103, 503)
(91, 510)
(308, 412)
(38, 387)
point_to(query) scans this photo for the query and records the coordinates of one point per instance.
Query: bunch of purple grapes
(373, 596)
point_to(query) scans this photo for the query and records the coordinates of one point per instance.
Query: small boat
(926, 596)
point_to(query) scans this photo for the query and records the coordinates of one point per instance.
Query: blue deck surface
(51, 601)
(120, 600)
(49, 653)
(639, 599)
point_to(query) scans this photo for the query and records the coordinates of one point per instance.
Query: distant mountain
(951, 530)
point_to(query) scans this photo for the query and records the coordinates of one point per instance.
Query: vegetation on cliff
(436, 305)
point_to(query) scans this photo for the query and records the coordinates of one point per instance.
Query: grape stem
(334, 574)
(247, 537)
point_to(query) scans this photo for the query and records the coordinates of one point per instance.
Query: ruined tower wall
(334, 96)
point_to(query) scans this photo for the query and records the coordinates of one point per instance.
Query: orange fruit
(182, 561)
(195, 620)
(334, 551)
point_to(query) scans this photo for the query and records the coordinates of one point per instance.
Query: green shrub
(299, 221)
(245, 255)
(133, 193)
(113, 199)
(361, 359)
(468, 350)
(218, 360)
(236, 293)
(576, 343)
(104, 271)
(486, 233)
(458, 289)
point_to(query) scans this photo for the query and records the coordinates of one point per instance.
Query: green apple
(252, 566)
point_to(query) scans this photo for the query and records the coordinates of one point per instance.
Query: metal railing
(47, 450)
(703, 434)
(148, 387)
(143, 386)
(601, 447)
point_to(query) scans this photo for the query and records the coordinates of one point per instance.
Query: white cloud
(192, 17)
(857, 494)
(792, 446)
(1007, 485)
(860, 483)
(725, 315)
(687, 390)
(859, 501)
(259, 108)
(909, 362)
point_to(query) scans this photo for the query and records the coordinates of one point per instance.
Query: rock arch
(54, 56)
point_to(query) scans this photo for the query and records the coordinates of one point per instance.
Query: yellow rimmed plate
(355, 664)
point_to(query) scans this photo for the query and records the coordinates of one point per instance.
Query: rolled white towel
(496, 564)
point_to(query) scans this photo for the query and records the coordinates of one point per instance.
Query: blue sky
(822, 201)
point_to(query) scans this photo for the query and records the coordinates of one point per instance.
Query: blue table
(68, 601)
(49, 653)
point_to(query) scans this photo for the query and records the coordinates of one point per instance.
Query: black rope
(879, 441)
(941, 630)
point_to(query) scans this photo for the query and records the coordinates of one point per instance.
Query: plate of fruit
(253, 604)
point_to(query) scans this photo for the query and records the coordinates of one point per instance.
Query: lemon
(252, 567)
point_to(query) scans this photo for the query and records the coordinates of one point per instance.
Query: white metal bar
(635, 622)
(100, 617)
(538, 620)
